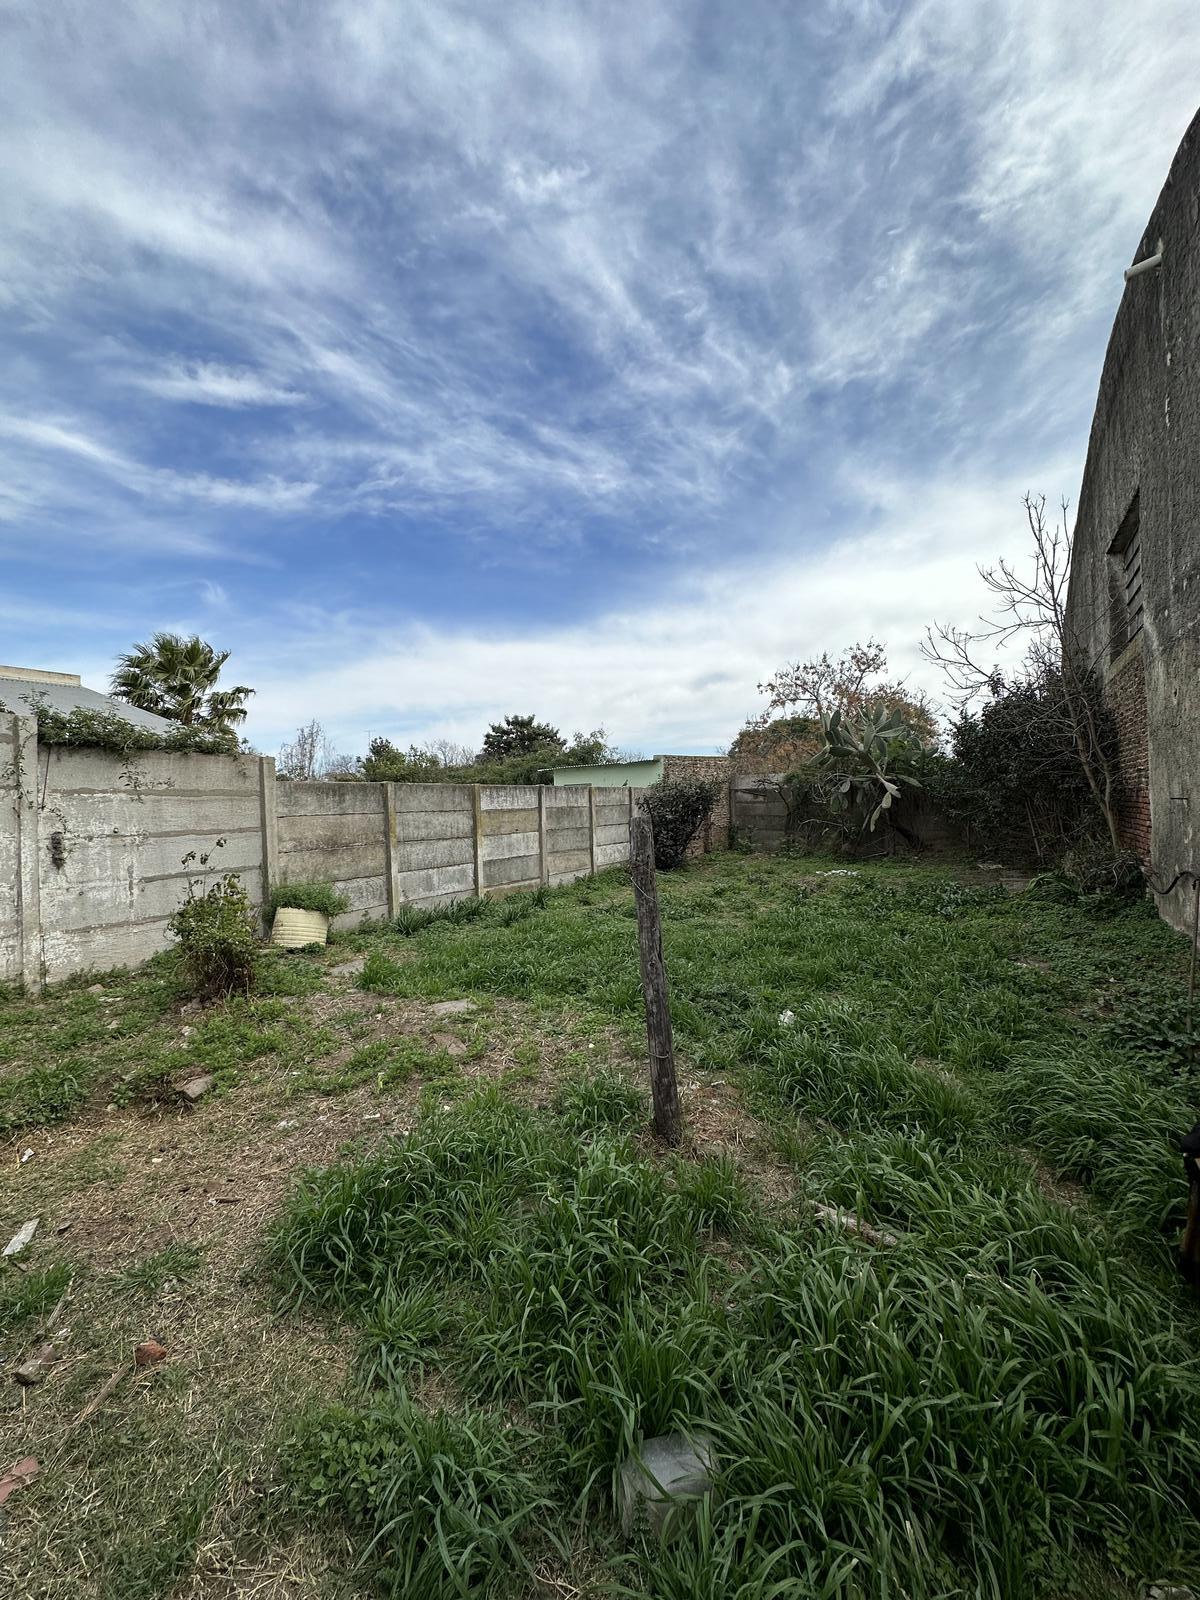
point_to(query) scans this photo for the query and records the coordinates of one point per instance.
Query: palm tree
(176, 678)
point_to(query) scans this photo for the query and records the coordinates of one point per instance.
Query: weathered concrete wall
(13, 737)
(1145, 448)
(433, 842)
(757, 812)
(119, 839)
(96, 852)
(337, 833)
(508, 843)
(568, 830)
(759, 816)
(611, 811)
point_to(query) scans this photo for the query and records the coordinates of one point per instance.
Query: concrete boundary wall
(97, 849)
(759, 816)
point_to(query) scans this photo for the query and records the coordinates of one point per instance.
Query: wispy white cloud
(679, 673)
(163, 485)
(395, 296)
(207, 383)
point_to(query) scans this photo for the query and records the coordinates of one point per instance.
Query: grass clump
(446, 1505)
(977, 1409)
(43, 1094)
(25, 1296)
(173, 1263)
(1100, 1121)
(312, 895)
(454, 913)
(603, 1102)
(387, 1063)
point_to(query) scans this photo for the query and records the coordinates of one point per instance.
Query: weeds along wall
(97, 849)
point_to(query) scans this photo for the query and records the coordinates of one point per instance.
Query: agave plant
(871, 756)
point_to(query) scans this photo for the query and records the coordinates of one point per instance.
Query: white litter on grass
(26, 1155)
(786, 1019)
(22, 1237)
(838, 872)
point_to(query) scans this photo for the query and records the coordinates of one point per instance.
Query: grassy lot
(413, 1369)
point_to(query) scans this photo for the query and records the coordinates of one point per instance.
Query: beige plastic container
(294, 929)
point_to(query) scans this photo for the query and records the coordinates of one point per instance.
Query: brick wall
(1126, 695)
(719, 769)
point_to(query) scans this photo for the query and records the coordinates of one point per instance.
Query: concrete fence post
(389, 848)
(543, 853)
(592, 825)
(477, 824)
(28, 897)
(269, 822)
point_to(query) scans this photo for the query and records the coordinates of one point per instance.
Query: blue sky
(444, 360)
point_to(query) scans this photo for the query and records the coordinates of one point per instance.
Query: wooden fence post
(664, 1088)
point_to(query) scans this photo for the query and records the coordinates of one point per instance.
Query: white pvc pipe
(1145, 265)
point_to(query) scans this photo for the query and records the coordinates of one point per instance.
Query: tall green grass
(975, 1411)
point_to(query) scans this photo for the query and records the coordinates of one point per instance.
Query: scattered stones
(95, 988)
(35, 1367)
(348, 969)
(450, 1043)
(1170, 1591)
(454, 1008)
(22, 1236)
(148, 1352)
(194, 1089)
(664, 1482)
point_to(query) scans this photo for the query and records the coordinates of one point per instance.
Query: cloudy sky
(449, 359)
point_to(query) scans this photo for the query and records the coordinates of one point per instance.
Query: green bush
(218, 939)
(314, 896)
(678, 808)
(105, 730)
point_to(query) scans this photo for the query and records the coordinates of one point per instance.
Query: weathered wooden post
(664, 1089)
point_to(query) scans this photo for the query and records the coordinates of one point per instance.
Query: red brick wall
(715, 833)
(1126, 694)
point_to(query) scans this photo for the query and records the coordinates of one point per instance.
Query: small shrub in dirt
(1096, 881)
(218, 939)
(678, 808)
(1093, 869)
